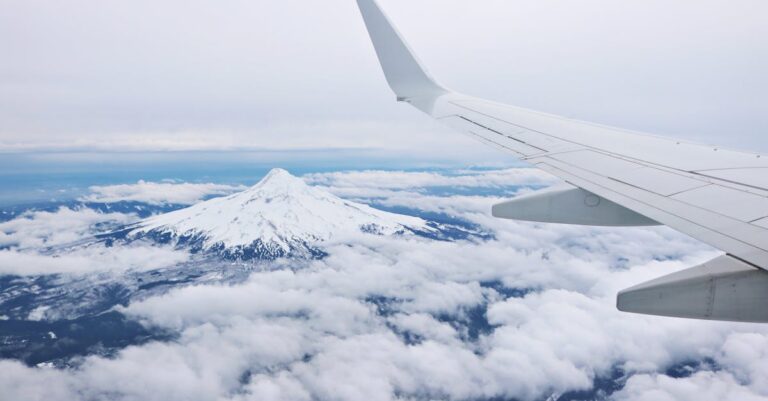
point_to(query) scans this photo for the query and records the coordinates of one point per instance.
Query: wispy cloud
(377, 179)
(90, 260)
(26, 238)
(159, 193)
(45, 229)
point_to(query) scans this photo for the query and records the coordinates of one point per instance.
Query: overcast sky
(236, 74)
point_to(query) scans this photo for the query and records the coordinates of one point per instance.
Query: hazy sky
(290, 74)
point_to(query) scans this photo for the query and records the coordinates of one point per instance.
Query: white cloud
(38, 313)
(701, 386)
(28, 235)
(426, 326)
(407, 188)
(158, 193)
(746, 356)
(45, 229)
(93, 259)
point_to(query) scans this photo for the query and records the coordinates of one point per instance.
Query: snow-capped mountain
(280, 216)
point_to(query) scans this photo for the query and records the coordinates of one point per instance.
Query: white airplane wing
(618, 178)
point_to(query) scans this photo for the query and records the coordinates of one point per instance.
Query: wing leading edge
(715, 195)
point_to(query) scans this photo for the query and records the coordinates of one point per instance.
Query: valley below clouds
(514, 311)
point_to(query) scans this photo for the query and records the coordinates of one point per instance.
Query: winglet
(406, 76)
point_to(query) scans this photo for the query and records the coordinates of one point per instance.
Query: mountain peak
(277, 174)
(279, 180)
(277, 216)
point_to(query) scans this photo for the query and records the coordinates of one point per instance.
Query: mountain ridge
(280, 216)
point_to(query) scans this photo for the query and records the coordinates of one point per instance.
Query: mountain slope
(280, 216)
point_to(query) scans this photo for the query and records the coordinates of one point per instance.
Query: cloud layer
(526, 315)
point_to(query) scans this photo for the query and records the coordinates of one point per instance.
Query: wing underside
(617, 177)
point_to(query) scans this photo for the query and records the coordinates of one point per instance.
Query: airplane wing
(618, 178)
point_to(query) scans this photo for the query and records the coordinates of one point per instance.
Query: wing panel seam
(584, 146)
(500, 133)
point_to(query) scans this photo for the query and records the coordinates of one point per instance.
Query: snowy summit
(280, 216)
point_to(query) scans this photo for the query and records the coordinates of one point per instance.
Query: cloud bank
(159, 193)
(526, 315)
(27, 239)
